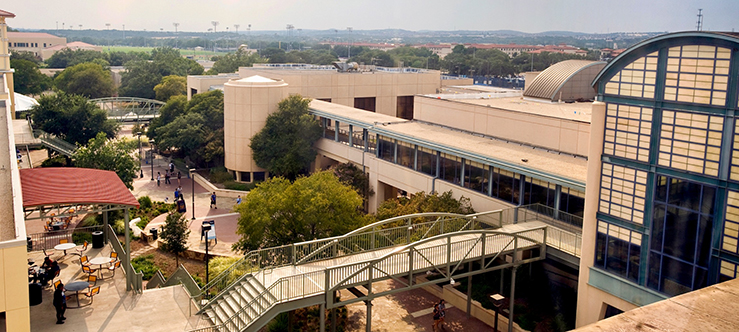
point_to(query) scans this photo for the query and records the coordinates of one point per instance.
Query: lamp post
(141, 175)
(206, 228)
(192, 178)
(497, 298)
(151, 157)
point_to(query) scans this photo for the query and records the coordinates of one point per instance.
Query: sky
(590, 16)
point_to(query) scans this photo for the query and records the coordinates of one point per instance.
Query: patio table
(99, 261)
(76, 287)
(64, 247)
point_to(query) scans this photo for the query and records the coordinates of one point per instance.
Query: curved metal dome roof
(550, 81)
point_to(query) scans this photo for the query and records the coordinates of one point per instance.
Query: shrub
(89, 221)
(58, 161)
(143, 222)
(233, 185)
(144, 202)
(145, 264)
(80, 237)
(220, 176)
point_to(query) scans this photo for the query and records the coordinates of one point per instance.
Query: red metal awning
(71, 185)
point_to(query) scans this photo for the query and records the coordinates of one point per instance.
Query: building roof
(73, 46)
(580, 112)
(71, 185)
(6, 14)
(31, 35)
(556, 168)
(548, 83)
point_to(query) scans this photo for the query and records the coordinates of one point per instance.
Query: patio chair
(88, 270)
(113, 267)
(63, 241)
(93, 280)
(84, 261)
(48, 253)
(57, 283)
(113, 256)
(92, 293)
(81, 250)
(48, 228)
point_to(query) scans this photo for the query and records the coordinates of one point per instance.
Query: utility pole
(215, 25)
(237, 28)
(699, 25)
(350, 43)
(175, 26)
(248, 29)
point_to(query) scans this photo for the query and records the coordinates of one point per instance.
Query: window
(731, 223)
(691, 141)
(728, 271)
(406, 154)
(387, 149)
(572, 201)
(245, 176)
(539, 192)
(343, 132)
(329, 131)
(405, 107)
(735, 154)
(628, 132)
(259, 176)
(697, 74)
(622, 192)
(505, 185)
(451, 168)
(618, 250)
(367, 103)
(476, 176)
(680, 242)
(635, 80)
(426, 161)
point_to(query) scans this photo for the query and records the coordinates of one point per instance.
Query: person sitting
(50, 273)
(47, 263)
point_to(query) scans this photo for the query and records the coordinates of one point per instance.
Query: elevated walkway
(129, 109)
(273, 280)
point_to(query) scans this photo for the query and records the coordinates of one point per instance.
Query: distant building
(44, 45)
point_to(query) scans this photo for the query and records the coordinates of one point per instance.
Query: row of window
(24, 44)
(486, 179)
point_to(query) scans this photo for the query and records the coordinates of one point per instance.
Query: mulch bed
(166, 261)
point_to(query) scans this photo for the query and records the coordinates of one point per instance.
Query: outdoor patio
(113, 309)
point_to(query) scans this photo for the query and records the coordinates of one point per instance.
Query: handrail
(318, 281)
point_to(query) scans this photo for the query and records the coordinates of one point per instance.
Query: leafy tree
(72, 118)
(278, 212)
(25, 55)
(285, 145)
(28, 79)
(350, 175)
(174, 235)
(141, 76)
(174, 107)
(68, 57)
(171, 85)
(422, 202)
(88, 79)
(231, 62)
(111, 155)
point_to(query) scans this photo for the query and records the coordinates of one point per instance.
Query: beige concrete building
(14, 304)
(34, 42)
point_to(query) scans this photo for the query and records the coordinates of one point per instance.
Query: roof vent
(344, 67)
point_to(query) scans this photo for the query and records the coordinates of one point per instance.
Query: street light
(206, 228)
(151, 157)
(497, 299)
(192, 178)
(140, 156)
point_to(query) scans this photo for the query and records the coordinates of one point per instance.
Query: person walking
(60, 303)
(179, 178)
(166, 178)
(238, 200)
(213, 201)
(171, 167)
(437, 317)
(441, 308)
(159, 178)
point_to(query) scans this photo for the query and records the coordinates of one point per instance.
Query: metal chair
(63, 241)
(93, 280)
(84, 261)
(92, 293)
(57, 283)
(81, 250)
(48, 253)
(88, 270)
(113, 256)
(113, 267)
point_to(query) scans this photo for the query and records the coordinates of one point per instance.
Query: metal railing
(432, 253)
(136, 279)
(48, 240)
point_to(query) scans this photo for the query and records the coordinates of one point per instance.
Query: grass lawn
(204, 54)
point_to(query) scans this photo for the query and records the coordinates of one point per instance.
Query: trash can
(29, 244)
(34, 294)
(97, 240)
(153, 232)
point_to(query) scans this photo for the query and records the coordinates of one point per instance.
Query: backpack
(436, 313)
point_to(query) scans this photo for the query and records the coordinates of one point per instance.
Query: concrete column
(512, 298)
(322, 317)
(127, 266)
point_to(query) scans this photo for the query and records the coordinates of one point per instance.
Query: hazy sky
(597, 16)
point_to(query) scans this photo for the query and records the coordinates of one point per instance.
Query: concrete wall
(549, 132)
(35, 38)
(203, 83)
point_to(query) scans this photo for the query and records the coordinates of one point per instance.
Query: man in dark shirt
(60, 303)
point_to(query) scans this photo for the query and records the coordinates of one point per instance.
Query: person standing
(238, 200)
(213, 201)
(171, 167)
(179, 178)
(442, 313)
(159, 178)
(60, 303)
(166, 178)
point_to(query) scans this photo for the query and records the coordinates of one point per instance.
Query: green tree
(231, 62)
(174, 107)
(88, 79)
(141, 76)
(170, 86)
(285, 145)
(174, 235)
(72, 118)
(25, 55)
(350, 175)
(278, 212)
(68, 57)
(111, 155)
(28, 79)
(422, 202)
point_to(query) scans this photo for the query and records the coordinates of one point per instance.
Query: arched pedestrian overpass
(266, 282)
(129, 109)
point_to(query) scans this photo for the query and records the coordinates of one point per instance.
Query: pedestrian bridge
(269, 281)
(129, 109)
